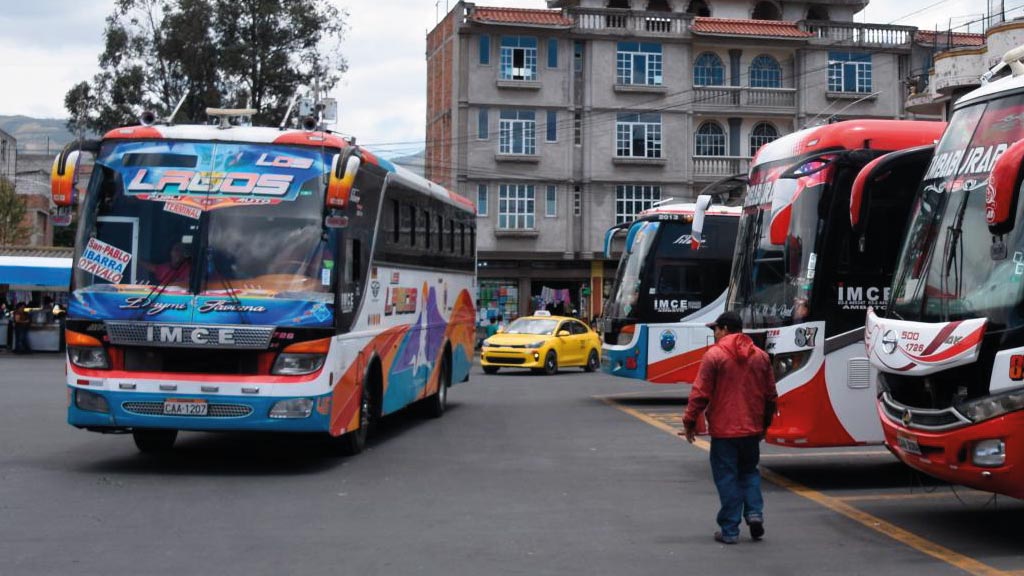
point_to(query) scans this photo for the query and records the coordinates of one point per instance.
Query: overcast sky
(46, 46)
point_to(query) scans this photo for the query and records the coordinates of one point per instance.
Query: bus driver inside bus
(173, 272)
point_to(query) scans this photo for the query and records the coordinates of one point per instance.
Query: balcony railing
(618, 21)
(714, 167)
(860, 34)
(743, 96)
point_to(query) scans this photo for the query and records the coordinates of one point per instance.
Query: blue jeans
(734, 468)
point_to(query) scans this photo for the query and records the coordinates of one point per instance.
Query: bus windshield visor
(181, 217)
(775, 258)
(951, 266)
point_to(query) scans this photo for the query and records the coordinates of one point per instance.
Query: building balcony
(829, 33)
(708, 168)
(958, 70)
(619, 22)
(744, 97)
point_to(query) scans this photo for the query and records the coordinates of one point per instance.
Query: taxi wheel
(490, 369)
(551, 363)
(154, 441)
(593, 362)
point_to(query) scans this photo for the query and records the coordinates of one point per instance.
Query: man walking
(735, 389)
(22, 321)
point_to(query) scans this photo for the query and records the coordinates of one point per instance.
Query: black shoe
(756, 528)
(719, 537)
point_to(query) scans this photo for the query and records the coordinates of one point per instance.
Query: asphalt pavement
(526, 474)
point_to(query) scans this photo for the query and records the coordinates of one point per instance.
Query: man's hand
(689, 432)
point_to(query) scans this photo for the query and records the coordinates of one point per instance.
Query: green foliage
(219, 52)
(12, 215)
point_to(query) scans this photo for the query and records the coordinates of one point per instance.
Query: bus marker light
(631, 363)
(253, 390)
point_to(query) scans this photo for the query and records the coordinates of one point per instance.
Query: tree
(12, 216)
(243, 52)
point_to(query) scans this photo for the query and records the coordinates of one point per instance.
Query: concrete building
(561, 123)
(8, 156)
(32, 182)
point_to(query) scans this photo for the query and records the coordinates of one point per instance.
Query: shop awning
(30, 272)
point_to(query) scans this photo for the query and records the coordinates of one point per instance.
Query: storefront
(39, 279)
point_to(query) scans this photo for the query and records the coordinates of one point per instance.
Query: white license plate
(185, 407)
(908, 444)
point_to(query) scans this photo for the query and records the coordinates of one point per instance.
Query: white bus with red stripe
(949, 348)
(803, 276)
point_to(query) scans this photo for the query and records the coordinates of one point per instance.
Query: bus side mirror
(564, 333)
(1001, 192)
(899, 167)
(700, 209)
(64, 177)
(343, 175)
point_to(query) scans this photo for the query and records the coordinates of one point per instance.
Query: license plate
(908, 444)
(185, 407)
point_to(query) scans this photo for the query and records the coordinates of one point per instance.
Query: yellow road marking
(909, 496)
(965, 563)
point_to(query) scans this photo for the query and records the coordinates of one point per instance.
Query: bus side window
(412, 225)
(395, 228)
(462, 239)
(451, 236)
(353, 261)
(426, 229)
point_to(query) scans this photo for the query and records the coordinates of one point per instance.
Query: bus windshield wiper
(158, 289)
(953, 256)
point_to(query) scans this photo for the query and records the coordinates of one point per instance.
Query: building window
(515, 207)
(577, 56)
(761, 134)
(481, 199)
(517, 132)
(766, 11)
(552, 52)
(485, 49)
(577, 201)
(630, 200)
(551, 202)
(765, 72)
(552, 126)
(638, 135)
(483, 117)
(518, 58)
(708, 70)
(709, 140)
(577, 128)
(638, 63)
(849, 72)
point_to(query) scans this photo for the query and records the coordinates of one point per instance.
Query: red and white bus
(246, 278)
(803, 277)
(667, 287)
(949, 348)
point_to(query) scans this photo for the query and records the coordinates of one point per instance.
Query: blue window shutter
(485, 49)
(552, 126)
(553, 53)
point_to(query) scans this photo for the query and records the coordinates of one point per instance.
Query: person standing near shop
(735, 390)
(21, 324)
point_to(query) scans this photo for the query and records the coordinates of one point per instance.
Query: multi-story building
(8, 156)
(561, 123)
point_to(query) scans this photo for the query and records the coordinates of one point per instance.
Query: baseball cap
(731, 321)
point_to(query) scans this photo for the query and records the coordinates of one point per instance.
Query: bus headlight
(298, 364)
(992, 406)
(788, 362)
(302, 358)
(989, 453)
(91, 402)
(89, 357)
(292, 408)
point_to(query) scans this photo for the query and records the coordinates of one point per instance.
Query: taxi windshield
(532, 326)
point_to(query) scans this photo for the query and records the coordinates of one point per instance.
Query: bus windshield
(948, 268)
(773, 274)
(206, 218)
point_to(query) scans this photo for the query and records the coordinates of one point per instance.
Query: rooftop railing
(859, 34)
(618, 21)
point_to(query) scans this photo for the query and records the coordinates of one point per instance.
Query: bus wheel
(593, 362)
(435, 405)
(154, 441)
(551, 363)
(490, 369)
(352, 443)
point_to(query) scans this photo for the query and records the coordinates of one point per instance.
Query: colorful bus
(249, 278)
(949, 348)
(667, 287)
(803, 277)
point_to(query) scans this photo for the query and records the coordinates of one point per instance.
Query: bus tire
(551, 363)
(154, 440)
(435, 405)
(593, 362)
(352, 443)
(490, 369)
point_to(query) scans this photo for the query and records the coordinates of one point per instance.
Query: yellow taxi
(543, 343)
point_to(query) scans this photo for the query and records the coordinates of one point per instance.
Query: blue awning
(34, 271)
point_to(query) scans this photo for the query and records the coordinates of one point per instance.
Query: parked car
(543, 343)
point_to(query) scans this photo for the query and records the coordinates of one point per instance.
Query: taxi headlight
(535, 345)
(992, 406)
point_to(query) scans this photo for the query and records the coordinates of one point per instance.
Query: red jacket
(733, 387)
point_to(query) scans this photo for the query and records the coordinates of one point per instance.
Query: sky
(47, 46)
